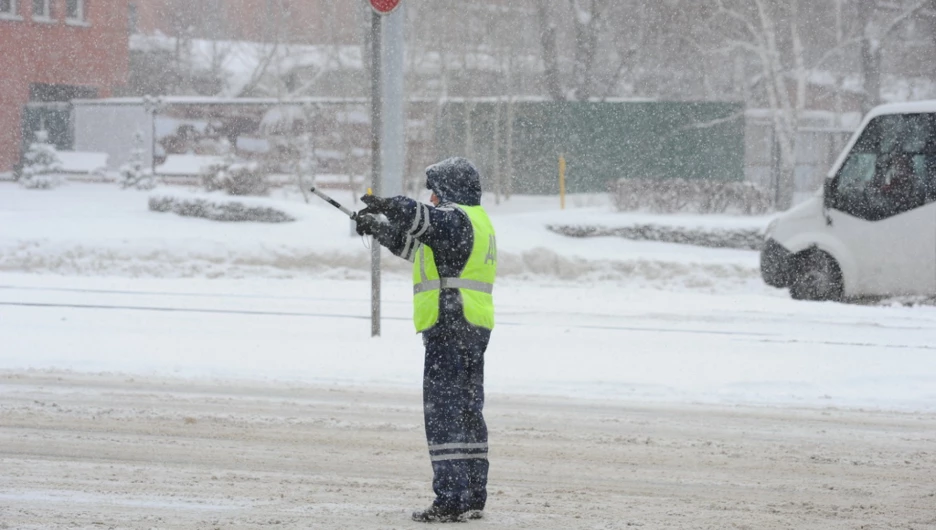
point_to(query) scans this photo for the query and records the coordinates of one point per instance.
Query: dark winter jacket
(445, 229)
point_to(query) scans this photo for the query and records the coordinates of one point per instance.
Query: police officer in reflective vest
(454, 254)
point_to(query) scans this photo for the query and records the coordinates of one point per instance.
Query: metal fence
(601, 141)
(817, 148)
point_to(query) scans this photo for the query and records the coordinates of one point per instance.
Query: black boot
(437, 514)
(475, 509)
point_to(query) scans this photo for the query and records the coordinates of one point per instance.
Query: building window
(8, 8)
(75, 9)
(41, 9)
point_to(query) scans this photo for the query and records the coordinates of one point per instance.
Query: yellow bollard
(562, 169)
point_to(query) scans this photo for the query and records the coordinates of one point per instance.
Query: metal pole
(376, 127)
(562, 170)
(149, 106)
(153, 142)
(775, 166)
(393, 131)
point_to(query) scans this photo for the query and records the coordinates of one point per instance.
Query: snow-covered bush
(740, 238)
(135, 174)
(217, 208)
(684, 195)
(41, 164)
(236, 178)
(246, 179)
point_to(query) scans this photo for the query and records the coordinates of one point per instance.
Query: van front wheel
(817, 278)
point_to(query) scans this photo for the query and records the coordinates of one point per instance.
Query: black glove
(366, 224)
(376, 205)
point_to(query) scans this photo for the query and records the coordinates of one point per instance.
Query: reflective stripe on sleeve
(420, 221)
(409, 246)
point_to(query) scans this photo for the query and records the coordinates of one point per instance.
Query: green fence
(601, 141)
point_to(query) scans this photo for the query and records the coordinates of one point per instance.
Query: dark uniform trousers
(453, 398)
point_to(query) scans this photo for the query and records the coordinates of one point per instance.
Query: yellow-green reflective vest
(475, 284)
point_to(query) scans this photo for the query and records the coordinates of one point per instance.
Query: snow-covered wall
(111, 129)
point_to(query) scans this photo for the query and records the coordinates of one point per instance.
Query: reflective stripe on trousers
(457, 451)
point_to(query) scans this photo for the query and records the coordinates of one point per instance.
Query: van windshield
(890, 170)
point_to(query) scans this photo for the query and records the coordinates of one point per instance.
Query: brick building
(56, 50)
(294, 21)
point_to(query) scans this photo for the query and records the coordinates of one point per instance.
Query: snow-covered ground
(102, 231)
(168, 372)
(93, 281)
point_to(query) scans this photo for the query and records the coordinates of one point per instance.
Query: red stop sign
(384, 6)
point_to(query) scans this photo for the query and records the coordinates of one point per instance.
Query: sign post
(386, 109)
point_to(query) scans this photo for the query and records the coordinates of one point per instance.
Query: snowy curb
(742, 239)
(220, 207)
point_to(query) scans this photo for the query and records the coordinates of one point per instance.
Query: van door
(882, 206)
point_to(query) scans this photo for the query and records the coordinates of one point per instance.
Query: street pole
(393, 130)
(376, 128)
(388, 141)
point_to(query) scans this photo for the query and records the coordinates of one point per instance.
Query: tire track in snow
(367, 317)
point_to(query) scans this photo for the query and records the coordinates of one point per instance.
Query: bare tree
(878, 23)
(548, 31)
(587, 24)
(759, 28)
(628, 45)
(930, 20)
(588, 16)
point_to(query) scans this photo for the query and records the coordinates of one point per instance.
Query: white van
(872, 229)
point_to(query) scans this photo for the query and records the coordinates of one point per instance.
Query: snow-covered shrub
(135, 173)
(751, 199)
(236, 178)
(217, 209)
(740, 238)
(213, 175)
(246, 179)
(41, 164)
(684, 195)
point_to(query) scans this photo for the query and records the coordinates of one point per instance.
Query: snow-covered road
(127, 452)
